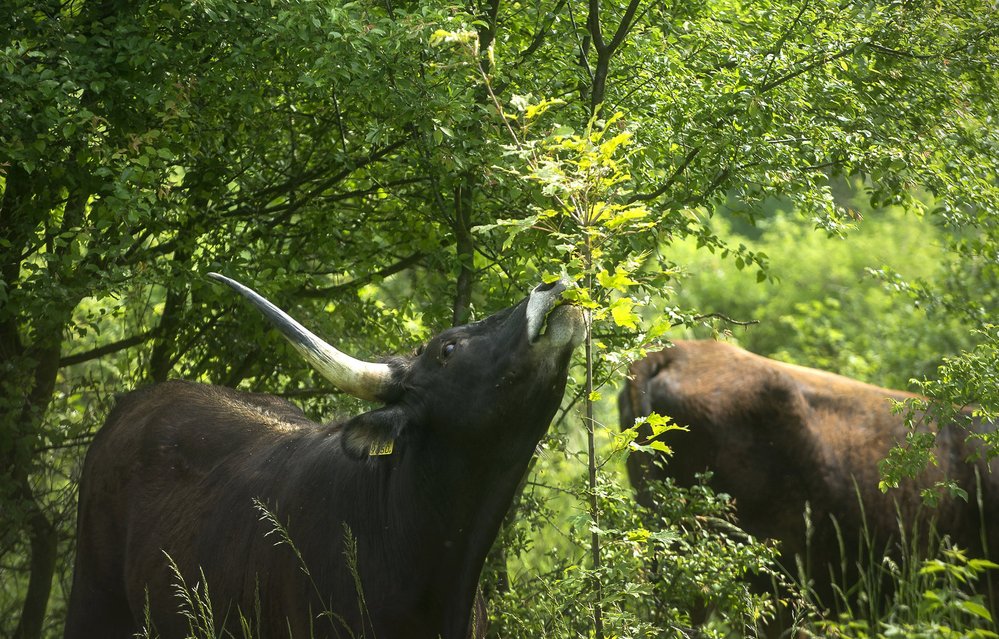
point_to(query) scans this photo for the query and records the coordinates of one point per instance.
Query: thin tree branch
(668, 184)
(767, 86)
(583, 44)
(593, 26)
(266, 194)
(722, 317)
(72, 442)
(392, 269)
(539, 37)
(108, 349)
(775, 51)
(626, 23)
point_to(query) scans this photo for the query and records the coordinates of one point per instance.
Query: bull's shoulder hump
(197, 420)
(823, 386)
(213, 427)
(264, 411)
(181, 402)
(707, 379)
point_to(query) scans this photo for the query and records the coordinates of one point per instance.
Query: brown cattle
(777, 436)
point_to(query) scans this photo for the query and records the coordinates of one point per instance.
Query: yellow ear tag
(381, 448)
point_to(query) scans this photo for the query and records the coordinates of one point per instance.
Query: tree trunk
(465, 250)
(43, 540)
(599, 89)
(41, 533)
(31, 345)
(163, 356)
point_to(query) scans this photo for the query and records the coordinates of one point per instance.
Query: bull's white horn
(365, 380)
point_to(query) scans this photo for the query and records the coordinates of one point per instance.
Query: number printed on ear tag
(381, 448)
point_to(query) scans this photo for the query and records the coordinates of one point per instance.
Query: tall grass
(195, 605)
(917, 586)
(911, 587)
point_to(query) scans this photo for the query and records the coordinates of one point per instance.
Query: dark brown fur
(777, 436)
(178, 467)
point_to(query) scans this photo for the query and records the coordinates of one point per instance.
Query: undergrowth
(680, 567)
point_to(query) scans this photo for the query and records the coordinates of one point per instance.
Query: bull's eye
(447, 350)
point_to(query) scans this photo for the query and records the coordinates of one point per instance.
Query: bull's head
(467, 382)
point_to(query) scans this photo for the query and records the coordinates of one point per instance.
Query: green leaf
(978, 565)
(618, 281)
(622, 311)
(534, 110)
(625, 216)
(660, 446)
(976, 609)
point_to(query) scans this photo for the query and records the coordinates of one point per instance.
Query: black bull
(776, 436)
(422, 483)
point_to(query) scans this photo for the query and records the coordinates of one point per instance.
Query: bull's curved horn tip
(233, 284)
(365, 380)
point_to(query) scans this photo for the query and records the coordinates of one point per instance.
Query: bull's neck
(424, 517)
(467, 494)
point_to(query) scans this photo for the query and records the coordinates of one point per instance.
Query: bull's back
(147, 484)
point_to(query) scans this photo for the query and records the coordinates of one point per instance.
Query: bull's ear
(373, 433)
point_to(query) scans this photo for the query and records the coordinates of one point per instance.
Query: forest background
(384, 169)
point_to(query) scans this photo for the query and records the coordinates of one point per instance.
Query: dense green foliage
(340, 156)
(827, 304)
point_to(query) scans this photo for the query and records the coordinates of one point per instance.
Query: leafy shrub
(679, 565)
(830, 304)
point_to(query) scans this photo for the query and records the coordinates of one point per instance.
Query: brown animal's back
(777, 435)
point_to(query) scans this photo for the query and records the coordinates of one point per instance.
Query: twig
(724, 318)
(108, 349)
